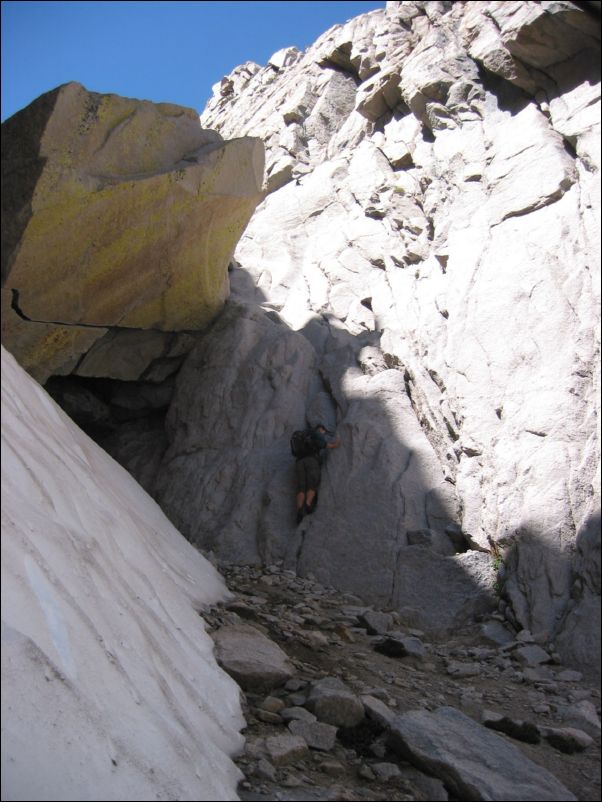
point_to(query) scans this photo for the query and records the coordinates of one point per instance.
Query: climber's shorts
(307, 474)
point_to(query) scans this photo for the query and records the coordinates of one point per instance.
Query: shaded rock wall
(226, 478)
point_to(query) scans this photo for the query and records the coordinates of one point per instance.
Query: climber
(306, 447)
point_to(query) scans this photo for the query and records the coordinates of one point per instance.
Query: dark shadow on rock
(127, 419)
(583, 68)
(579, 636)
(509, 96)
(554, 592)
(22, 165)
(558, 79)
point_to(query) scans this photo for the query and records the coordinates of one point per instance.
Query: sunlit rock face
(115, 213)
(433, 172)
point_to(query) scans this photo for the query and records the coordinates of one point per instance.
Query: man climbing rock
(306, 447)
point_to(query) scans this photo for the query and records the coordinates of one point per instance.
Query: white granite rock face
(432, 229)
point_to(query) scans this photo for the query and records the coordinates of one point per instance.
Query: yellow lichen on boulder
(121, 212)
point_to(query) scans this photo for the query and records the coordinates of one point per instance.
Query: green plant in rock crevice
(497, 561)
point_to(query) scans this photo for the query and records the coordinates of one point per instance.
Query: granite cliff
(424, 276)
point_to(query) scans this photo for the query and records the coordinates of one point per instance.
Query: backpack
(303, 444)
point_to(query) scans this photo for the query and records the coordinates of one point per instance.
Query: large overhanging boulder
(115, 213)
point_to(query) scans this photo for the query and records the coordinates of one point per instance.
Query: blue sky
(161, 51)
